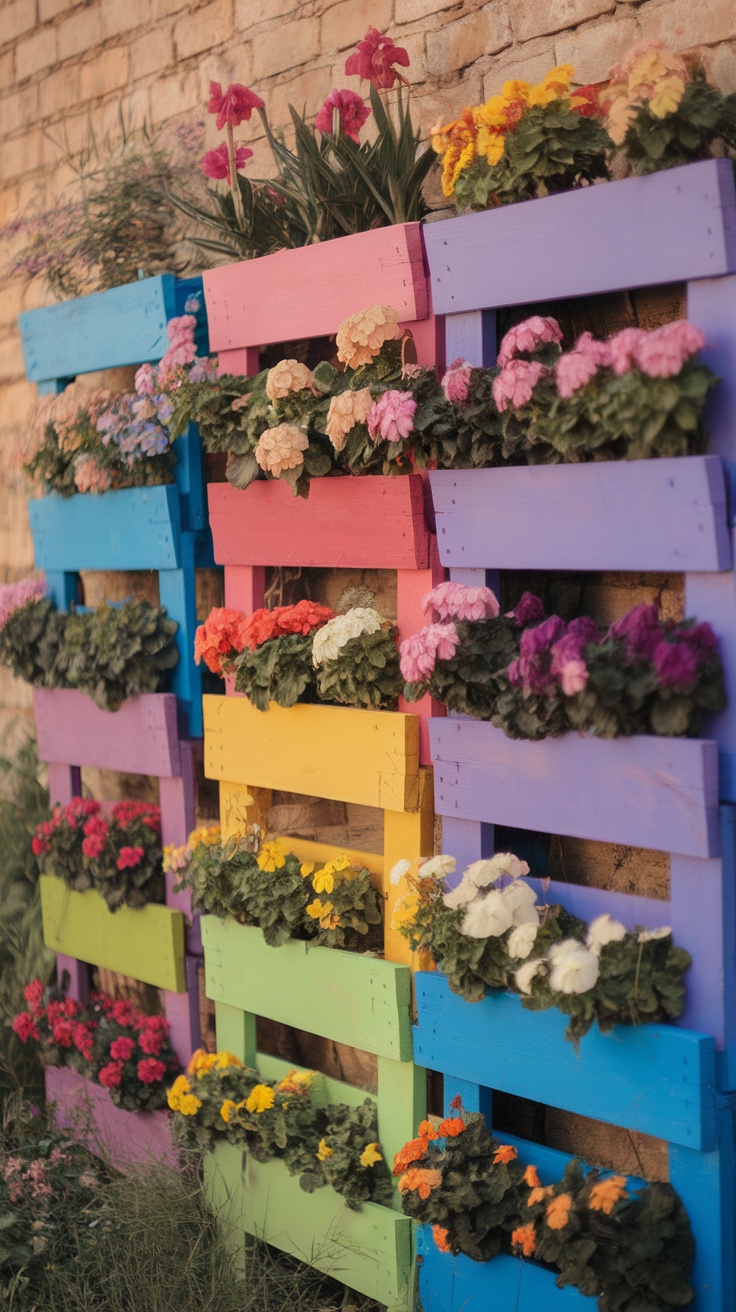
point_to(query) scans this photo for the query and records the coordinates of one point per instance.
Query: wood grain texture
(129, 1139)
(507, 1284)
(136, 528)
(335, 752)
(651, 792)
(655, 1079)
(146, 944)
(613, 515)
(339, 995)
(140, 738)
(668, 227)
(308, 292)
(346, 523)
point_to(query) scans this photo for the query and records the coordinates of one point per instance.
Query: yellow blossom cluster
(272, 856)
(181, 1099)
(201, 1062)
(650, 74)
(206, 835)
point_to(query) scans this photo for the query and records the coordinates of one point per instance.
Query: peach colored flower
(605, 1194)
(440, 1234)
(536, 1195)
(360, 338)
(285, 377)
(525, 1238)
(411, 1152)
(558, 1212)
(451, 1128)
(281, 448)
(504, 1153)
(346, 410)
(531, 1177)
(423, 1181)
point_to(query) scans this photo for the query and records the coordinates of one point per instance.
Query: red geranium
(303, 617)
(123, 1048)
(223, 632)
(123, 1012)
(84, 1040)
(585, 101)
(351, 108)
(33, 994)
(150, 1041)
(374, 60)
(150, 1070)
(25, 1026)
(234, 105)
(129, 857)
(111, 1075)
(216, 163)
(63, 1033)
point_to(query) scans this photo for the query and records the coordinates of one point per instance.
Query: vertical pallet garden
(671, 795)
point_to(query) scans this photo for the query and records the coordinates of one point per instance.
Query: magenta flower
(676, 665)
(421, 651)
(701, 639)
(456, 381)
(374, 59)
(530, 610)
(515, 384)
(455, 601)
(352, 111)
(534, 664)
(662, 353)
(641, 630)
(624, 348)
(391, 417)
(216, 163)
(567, 663)
(233, 106)
(527, 336)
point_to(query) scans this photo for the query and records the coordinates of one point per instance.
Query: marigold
(287, 376)
(260, 1099)
(296, 1082)
(420, 1180)
(525, 1238)
(451, 1127)
(440, 1236)
(558, 1212)
(360, 338)
(180, 1087)
(323, 1151)
(504, 1153)
(227, 1109)
(411, 1152)
(272, 856)
(605, 1194)
(346, 410)
(281, 448)
(370, 1155)
(224, 1059)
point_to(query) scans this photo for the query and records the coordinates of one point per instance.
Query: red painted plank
(140, 738)
(353, 523)
(309, 291)
(129, 1138)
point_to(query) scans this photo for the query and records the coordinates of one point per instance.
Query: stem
(234, 187)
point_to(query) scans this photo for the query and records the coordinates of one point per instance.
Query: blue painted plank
(656, 1079)
(177, 592)
(705, 1183)
(137, 528)
(507, 1284)
(190, 482)
(64, 587)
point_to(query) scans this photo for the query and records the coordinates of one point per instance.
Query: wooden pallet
(126, 1139)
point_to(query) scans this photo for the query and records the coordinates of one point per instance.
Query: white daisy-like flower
(400, 869)
(574, 967)
(487, 917)
(437, 867)
(649, 935)
(332, 637)
(526, 973)
(602, 930)
(521, 940)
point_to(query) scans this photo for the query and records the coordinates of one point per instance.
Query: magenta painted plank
(77, 983)
(65, 782)
(127, 1138)
(633, 515)
(669, 227)
(140, 738)
(309, 291)
(648, 792)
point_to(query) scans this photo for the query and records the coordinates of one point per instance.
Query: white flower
(487, 917)
(520, 899)
(521, 940)
(461, 895)
(511, 865)
(574, 967)
(602, 930)
(648, 935)
(332, 637)
(486, 872)
(526, 973)
(437, 867)
(400, 869)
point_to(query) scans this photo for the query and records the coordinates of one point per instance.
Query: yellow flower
(491, 145)
(318, 910)
(667, 95)
(197, 1061)
(323, 1152)
(260, 1099)
(370, 1155)
(224, 1059)
(272, 856)
(179, 1089)
(189, 1105)
(324, 881)
(296, 1082)
(493, 113)
(206, 835)
(405, 911)
(360, 338)
(619, 117)
(515, 90)
(306, 869)
(330, 922)
(228, 1107)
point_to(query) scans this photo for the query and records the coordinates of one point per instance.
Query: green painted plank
(146, 944)
(343, 996)
(402, 1104)
(369, 1250)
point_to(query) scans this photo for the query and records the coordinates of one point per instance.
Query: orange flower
(423, 1181)
(504, 1153)
(538, 1194)
(531, 1177)
(222, 634)
(451, 1128)
(426, 1130)
(558, 1212)
(439, 1234)
(525, 1238)
(605, 1194)
(411, 1152)
(263, 625)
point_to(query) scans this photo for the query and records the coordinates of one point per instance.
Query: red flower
(236, 105)
(223, 632)
(150, 1041)
(585, 101)
(96, 830)
(63, 1033)
(25, 1026)
(111, 1075)
(129, 856)
(33, 994)
(456, 1103)
(302, 618)
(374, 59)
(122, 1012)
(39, 846)
(123, 1048)
(216, 163)
(352, 111)
(150, 1070)
(83, 1040)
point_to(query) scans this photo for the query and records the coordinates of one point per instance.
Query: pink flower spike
(234, 106)
(456, 381)
(456, 601)
(374, 59)
(527, 336)
(216, 163)
(352, 111)
(515, 384)
(391, 417)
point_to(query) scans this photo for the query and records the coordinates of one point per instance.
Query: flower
(527, 337)
(150, 1041)
(531, 1177)
(426, 1130)
(649, 74)
(330, 640)
(111, 1075)
(405, 910)
(221, 634)
(306, 869)
(515, 384)
(640, 630)
(318, 910)
(520, 899)
(530, 610)
(129, 857)
(423, 1181)
(451, 1127)
(456, 381)
(573, 370)
(216, 163)
(676, 665)
(663, 352)
(604, 929)
(90, 475)
(490, 869)
(150, 1070)
(574, 967)
(412, 1151)
(342, 111)
(272, 856)
(123, 1048)
(296, 1082)
(487, 917)
(557, 1213)
(370, 1155)
(15, 595)
(624, 348)
(234, 105)
(281, 448)
(440, 1236)
(651, 935)
(456, 601)
(521, 940)
(399, 870)
(287, 376)
(420, 651)
(323, 882)
(227, 1109)
(374, 58)
(605, 1194)
(524, 976)
(323, 1151)
(525, 1238)
(437, 867)
(260, 1099)
(360, 337)
(24, 1026)
(33, 994)
(504, 1153)
(347, 409)
(391, 417)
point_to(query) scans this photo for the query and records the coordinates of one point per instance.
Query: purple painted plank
(711, 304)
(648, 792)
(668, 227)
(633, 515)
(630, 909)
(65, 782)
(182, 1013)
(127, 1138)
(471, 337)
(713, 597)
(140, 738)
(78, 972)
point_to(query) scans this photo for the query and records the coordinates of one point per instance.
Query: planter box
(507, 1284)
(139, 738)
(368, 1250)
(146, 944)
(127, 1139)
(134, 529)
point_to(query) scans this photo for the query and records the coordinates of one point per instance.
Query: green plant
(120, 856)
(357, 660)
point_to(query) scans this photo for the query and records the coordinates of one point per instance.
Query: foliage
(365, 669)
(119, 856)
(278, 671)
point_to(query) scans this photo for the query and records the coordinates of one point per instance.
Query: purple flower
(567, 663)
(701, 640)
(641, 631)
(529, 610)
(676, 665)
(535, 654)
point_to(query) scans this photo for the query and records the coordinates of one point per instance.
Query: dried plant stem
(234, 187)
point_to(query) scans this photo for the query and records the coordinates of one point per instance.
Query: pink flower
(527, 336)
(25, 1026)
(33, 994)
(235, 106)
(374, 59)
(515, 384)
(123, 1048)
(456, 381)
(150, 1070)
(129, 856)
(123, 1012)
(577, 367)
(455, 601)
(83, 1040)
(96, 830)
(352, 111)
(420, 652)
(39, 846)
(662, 353)
(624, 348)
(391, 417)
(145, 380)
(15, 595)
(63, 1033)
(530, 610)
(111, 1075)
(567, 654)
(641, 630)
(150, 1041)
(216, 163)
(676, 665)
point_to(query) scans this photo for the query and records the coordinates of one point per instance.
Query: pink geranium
(421, 651)
(111, 1075)
(391, 417)
(24, 1026)
(352, 113)
(129, 857)
(663, 352)
(456, 381)
(539, 330)
(515, 384)
(216, 163)
(455, 601)
(14, 595)
(232, 106)
(624, 348)
(374, 59)
(122, 1048)
(577, 367)
(150, 1071)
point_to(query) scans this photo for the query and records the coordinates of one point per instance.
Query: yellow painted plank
(321, 853)
(241, 806)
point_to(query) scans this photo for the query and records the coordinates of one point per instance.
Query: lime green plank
(343, 996)
(146, 944)
(324, 1089)
(369, 1250)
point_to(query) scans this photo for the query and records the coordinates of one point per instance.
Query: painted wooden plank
(628, 515)
(182, 1011)
(656, 1079)
(140, 738)
(705, 1183)
(368, 1250)
(645, 791)
(128, 1139)
(362, 1001)
(177, 590)
(507, 1284)
(321, 853)
(711, 305)
(668, 227)
(135, 528)
(323, 1089)
(146, 944)
(471, 336)
(369, 757)
(348, 523)
(308, 292)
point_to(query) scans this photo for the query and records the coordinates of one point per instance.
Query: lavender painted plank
(671, 226)
(140, 738)
(712, 597)
(711, 304)
(638, 515)
(660, 793)
(126, 1138)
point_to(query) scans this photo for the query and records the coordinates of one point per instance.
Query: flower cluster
(489, 932)
(604, 1239)
(176, 859)
(269, 652)
(119, 855)
(112, 1043)
(356, 659)
(220, 638)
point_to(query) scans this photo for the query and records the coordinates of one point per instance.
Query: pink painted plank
(309, 291)
(648, 792)
(182, 1013)
(244, 587)
(668, 227)
(356, 523)
(65, 782)
(411, 586)
(637, 515)
(140, 738)
(126, 1138)
(78, 972)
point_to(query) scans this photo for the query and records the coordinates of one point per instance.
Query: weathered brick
(233, 64)
(683, 24)
(528, 63)
(172, 95)
(287, 46)
(22, 154)
(593, 50)
(79, 33)
(20, 109)
(306, 90)
(542, 16)
(108, 71)
(164, 8)
(17, 18)
(48, 9)
(345, 24)
(415, 11)
(210, 25)
(152, 53)
(118, 16)
(247, 18)
(35, 52)
(454, 46)
(60, 90)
